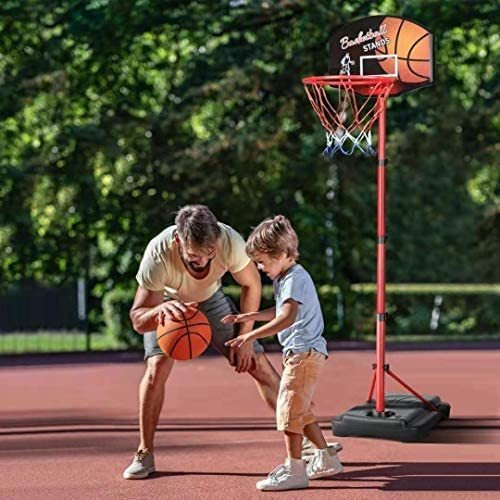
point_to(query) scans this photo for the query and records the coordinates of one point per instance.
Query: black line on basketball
(190, 346)
(176, 342)
(409, 52)
(382, 49)
(415, 73)
(397, 36)
(413, 59)
(184, 318)
(180, 328)
(199, 335)
(181, 337)
(196, 311)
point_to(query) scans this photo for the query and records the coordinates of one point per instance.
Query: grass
(59, 341)
(437, 338)
(75, 341)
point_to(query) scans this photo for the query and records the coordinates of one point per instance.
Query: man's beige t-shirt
(162, 268)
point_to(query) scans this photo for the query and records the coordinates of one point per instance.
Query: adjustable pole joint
(381, 317)
(386, 366)
(382, 163)
(381, 240)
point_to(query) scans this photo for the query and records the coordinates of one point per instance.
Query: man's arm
(251, 290)
(249, 280)
(144, 311)
(148, 310)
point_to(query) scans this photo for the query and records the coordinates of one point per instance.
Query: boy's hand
(238, 341)
(235, 318)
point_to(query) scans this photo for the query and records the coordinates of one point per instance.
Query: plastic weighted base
(405, 418)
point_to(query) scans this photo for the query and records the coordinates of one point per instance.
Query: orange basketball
(185, 339)
(413, 46)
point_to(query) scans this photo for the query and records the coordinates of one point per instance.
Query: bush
(116, 306)
(465, 311)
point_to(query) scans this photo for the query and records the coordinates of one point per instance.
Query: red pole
(429, 404)
(372, 386)
(381, 238)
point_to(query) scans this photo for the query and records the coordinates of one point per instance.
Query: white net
(347, 107)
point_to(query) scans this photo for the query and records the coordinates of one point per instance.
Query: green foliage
(115, 113)
(466, 311)
(118, 328)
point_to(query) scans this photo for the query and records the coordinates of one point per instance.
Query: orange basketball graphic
(413, 46)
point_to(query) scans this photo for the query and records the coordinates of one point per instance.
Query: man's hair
(197, 227)
(274, 236)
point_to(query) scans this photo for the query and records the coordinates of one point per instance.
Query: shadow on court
(402, 476)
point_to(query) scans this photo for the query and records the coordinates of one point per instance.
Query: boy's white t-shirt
(162, 268)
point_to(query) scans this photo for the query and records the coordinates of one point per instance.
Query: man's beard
(194, 267)
(198, 269)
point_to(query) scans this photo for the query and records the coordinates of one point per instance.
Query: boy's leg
(293, 473)
(307, 368)
(293, 445)
(314, 434)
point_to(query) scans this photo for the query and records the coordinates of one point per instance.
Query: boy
(298, 321)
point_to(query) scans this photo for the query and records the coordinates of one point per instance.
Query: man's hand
(242, 348)
(173, 310)
(236, 318)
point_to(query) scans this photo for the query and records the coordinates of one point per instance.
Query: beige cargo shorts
(298, 383)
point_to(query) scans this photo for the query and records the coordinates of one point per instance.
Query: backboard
(384, 46)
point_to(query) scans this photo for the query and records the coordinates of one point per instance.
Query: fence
(37, 319)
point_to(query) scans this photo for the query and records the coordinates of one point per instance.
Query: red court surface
(68, 430)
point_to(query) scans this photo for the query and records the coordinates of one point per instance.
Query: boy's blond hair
(274, 236)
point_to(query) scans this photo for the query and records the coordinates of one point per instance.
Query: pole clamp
(382, 317)
(382, 163)
(386, 367)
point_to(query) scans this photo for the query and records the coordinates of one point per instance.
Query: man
(186, 262)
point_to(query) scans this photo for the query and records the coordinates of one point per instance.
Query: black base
(405, 418)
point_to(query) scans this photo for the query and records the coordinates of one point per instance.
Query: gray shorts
(214, 308)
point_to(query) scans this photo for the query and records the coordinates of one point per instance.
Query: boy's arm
(285, 319)
(264, 315)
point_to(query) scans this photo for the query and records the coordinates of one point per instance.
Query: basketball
(185, 339)
(413, 46)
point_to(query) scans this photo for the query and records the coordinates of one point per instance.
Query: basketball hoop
(370, 59)
(348, 106)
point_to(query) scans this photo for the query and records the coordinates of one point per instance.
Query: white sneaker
(291, 475)
(322, 464)
(143, 464)
(308, 449)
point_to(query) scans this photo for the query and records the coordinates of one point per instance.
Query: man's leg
(264, 374)
(267, 380)
(151, 396)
